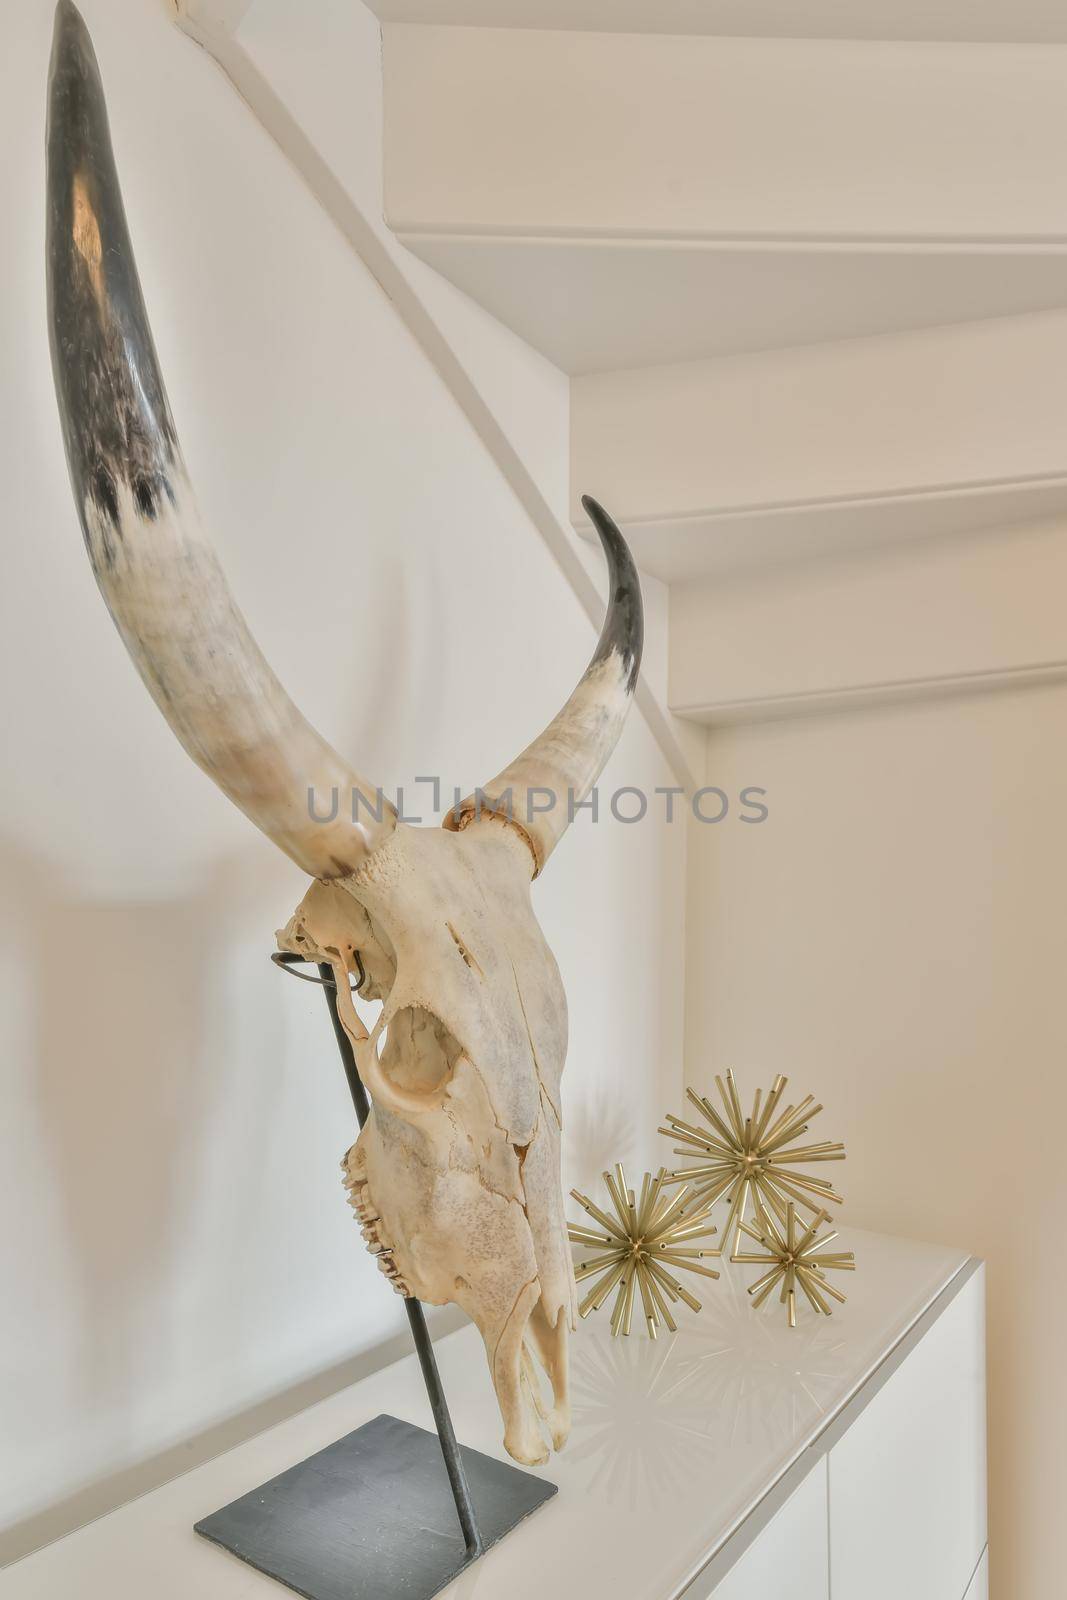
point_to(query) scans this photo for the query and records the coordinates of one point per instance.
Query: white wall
(892, 939)
(911, 616)
(172, 1110)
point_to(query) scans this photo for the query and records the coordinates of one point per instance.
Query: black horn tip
(599, 517)
(70, 37)
(116, 422)
(615, 547)
(623, 629)
(68, 16)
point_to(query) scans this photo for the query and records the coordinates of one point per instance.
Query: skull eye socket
(419, 1054)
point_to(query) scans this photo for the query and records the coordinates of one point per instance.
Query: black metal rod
(457, 1472)
(344, 1045)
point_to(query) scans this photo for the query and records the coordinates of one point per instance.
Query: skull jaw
(442, 1237)
(515, 1382)
(549, 1340)
(532, 1340)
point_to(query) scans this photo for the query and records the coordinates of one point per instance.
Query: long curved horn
(541, 788)
(159, 576)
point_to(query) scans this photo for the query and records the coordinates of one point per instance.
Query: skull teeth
(359, 1198)
(360, 1201)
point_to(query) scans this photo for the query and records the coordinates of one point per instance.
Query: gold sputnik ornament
(738, 1158)
(639, 1249)
(797, 1258)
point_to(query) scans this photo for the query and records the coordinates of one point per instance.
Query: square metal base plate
(372, 1516)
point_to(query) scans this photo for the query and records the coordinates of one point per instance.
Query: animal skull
(456, 1172)
(455, 1177)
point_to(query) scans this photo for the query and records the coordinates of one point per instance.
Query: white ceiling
(593, 305)
(995, 21)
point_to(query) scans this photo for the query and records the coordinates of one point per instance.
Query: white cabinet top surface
(674, 1443)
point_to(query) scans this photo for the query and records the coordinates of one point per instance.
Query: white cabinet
(790, 1555)
(737, 1460)
(894, 1505)
(907, 1479)
(979, 1589)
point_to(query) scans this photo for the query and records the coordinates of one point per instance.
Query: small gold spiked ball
(638, 1250)
(739, 1158)
(797, 1259)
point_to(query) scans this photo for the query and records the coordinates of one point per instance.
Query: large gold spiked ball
(639, 1248)
(755, 1158)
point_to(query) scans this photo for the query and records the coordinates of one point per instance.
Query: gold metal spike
(755, 1159)
(796, 1258)
(637, 1252)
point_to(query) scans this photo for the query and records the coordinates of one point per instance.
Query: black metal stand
(365, 1518)
(457, 1476)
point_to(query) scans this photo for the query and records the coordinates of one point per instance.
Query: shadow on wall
(596, 1135)
(124, 1004)
(120, 1085)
